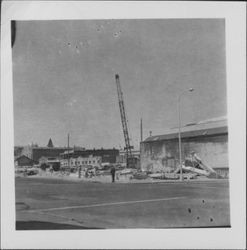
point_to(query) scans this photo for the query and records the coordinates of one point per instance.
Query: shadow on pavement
(43, 225)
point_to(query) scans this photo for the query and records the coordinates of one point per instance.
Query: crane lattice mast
(124, 120)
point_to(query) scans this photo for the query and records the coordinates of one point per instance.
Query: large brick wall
(37, 153)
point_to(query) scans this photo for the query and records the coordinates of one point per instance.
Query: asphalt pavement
(62, 204)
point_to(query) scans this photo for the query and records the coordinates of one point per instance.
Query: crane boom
(124, 120)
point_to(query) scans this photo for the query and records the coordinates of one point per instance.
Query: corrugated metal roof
(193, 130)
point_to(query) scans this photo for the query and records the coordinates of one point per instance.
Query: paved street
(61, 204)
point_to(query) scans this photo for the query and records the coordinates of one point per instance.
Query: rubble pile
(192, 168)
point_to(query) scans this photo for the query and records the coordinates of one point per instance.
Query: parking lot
(62, 204)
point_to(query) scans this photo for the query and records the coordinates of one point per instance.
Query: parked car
(32, 171)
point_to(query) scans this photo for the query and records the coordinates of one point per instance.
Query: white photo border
(234, 14)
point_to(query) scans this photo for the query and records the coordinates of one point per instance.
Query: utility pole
(141, 131)
(68, 153)
(179, 133)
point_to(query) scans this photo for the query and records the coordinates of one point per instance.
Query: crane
(129, 156)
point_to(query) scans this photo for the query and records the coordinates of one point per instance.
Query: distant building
(24, 161)
(208, 140)
(49, 161)
(39, 152)
(94, 161)
(107, 155)
(122, 155)
(35, 153)
(122, 158)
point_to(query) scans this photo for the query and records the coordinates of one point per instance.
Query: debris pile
(193, 167)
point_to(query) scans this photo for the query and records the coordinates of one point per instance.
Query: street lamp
(179, 133)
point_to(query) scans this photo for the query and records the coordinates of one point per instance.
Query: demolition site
(73, 187)
(194, 151)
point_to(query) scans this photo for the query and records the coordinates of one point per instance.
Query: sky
(64, 78)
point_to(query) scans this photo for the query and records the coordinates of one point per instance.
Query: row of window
(84, 162)
(87, 162)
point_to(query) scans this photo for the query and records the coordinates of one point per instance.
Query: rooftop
(210, 127)
(54, 148)
(78, 150)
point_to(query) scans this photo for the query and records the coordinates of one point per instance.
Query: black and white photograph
(120, 123)
(106, 105)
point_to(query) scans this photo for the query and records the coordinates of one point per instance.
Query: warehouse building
(209, 140)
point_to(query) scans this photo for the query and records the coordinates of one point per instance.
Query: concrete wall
(164, 155)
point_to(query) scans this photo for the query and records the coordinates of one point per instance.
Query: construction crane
(130, 161)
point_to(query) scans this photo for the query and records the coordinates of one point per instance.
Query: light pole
(179, 133)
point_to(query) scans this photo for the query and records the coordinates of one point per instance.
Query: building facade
(38, 152)
(35, 153)
(49, 161)
(208, 140)
(121, 158)
(107, 155)
(24, 161)
(94, 161)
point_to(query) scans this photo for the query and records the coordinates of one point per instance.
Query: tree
(44, 166)
(56, 166)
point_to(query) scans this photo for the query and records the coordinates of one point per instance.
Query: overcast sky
(63, 78)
